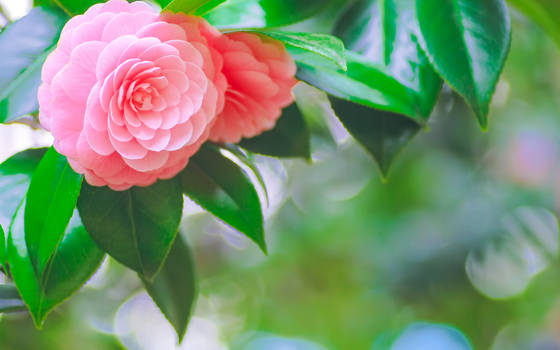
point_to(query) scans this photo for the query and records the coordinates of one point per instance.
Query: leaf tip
(384, 178)
(483, 125)
(262, 245)
(181, 332)
(38, 319)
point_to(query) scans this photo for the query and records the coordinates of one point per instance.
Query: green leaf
(377, 109)
(136, 226)
(51, 200)
(383, 134)
(289, 138)
(364, 83)
(75, 7)
(76, 259)
(15, 176)
(467, 42)
(208, 6)
(24, 46)
(262, 13)
(387, 32)
(174, 288)
(241, 157)
(10, 301)
(544, 12)
(323, 45)
(197, 7)
(218, 185)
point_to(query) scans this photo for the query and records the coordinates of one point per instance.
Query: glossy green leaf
(289, 138)
(364, 83)
(197, 7)
(174, 288)
(77, 257)
(324, 45)
(383, 134)
(467, 42)
(241, 157)
(24, 46)
(74, 261)
(136, 226)
(51, 200)
(544, 12)
(15, 176)
(218, 185)
(10, 301)
(387, 32)
(262, 13)
(208, 6)
(76, 7)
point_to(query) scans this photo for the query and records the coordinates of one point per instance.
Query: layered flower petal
(260, 77)
(130, 95)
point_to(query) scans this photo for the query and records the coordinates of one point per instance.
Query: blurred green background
(458, 250)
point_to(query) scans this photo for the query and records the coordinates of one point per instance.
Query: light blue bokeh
(264, 341)
(426, 336)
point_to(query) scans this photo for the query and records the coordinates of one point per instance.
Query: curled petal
(119, 132)
(178, 78)
(180, 136)
(109, 58)
(187, 52)
(151, 119)
(163, 31)
(130, 149)
(126, 23)
(159, 142)
(99, 141)
(152, 161)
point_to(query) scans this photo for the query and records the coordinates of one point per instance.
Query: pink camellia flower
(128, 95)
(260, 75)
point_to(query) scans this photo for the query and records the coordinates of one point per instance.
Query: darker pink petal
(260, 77)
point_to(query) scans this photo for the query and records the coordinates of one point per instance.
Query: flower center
(141, 98)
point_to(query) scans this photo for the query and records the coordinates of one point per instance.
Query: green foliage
(137, 226)
(289, 138)
(383, 77)
(262, 13)
(51, 200)
(467, 42)
(197, 7)
(24, 46)
(383, 134)
(324, 45)
(174, 288)
(71, 7)
(75, 260)
(218, 185)
(387, 32)
(365, 83)
(543, 12)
